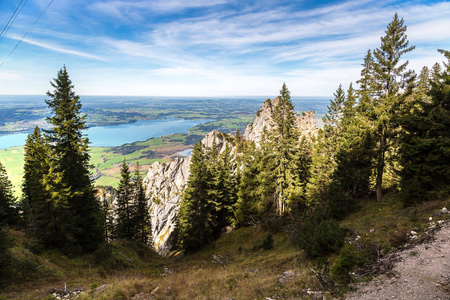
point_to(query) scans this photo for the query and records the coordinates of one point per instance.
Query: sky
(206, 47)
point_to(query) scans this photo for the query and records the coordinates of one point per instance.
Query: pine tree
(8, 214)
(425, 145)
(70, 157)
(34, 197)
(141, 215)
(124, 209)
(287, 156)
(335, 112)
(389, 78)
(196, 216)
(366, 85)
(223, 189)
(349, 109)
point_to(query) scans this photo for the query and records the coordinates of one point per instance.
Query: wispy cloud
(57, 48)
(243, 47)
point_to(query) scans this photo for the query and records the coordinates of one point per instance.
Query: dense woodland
(391, 133)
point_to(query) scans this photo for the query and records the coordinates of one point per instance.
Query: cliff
(264, 119)
(166, 182)
(165, 187)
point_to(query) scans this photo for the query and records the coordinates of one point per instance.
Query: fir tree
(286, 143)
(8, 214)
(335, 112)
(141, 215)
(196, 217)
(70, 160)
(34, 196)
(124, 209)
(425, 145)
(389, 79)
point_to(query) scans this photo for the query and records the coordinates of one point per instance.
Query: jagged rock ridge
(165, 187)
(166, 182)
(264, 119)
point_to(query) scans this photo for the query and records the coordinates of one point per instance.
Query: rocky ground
(421, 272)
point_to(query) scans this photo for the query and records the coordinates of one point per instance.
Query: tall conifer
(70, 160)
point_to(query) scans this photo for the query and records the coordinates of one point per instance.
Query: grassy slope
(245, 273)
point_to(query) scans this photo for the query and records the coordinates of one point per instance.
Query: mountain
(166, 181)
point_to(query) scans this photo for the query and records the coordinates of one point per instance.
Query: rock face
(264, 119)
(166, 182)
(165, 187)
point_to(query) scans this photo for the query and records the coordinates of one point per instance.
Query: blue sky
(210, 47)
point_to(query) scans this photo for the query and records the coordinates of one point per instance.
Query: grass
(231, 267)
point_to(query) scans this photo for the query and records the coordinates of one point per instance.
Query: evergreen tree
(349, 109)
(381, 85)
(70, 160)
(34, 197)
(389, 79)
(124, 209)
(366, 85)
(8, 214)
(223, 189)
(287, 154)
(425, 142)
(141, 216)
(335, 112)
(196, 216)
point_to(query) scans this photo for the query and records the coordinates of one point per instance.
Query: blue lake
(116, 135)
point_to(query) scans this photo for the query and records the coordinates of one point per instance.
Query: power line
(25, 35)
(12, 19)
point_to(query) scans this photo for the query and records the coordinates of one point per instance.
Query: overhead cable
(12, 18)
(25, 35)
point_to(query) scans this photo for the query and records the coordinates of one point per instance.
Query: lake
(116, 135)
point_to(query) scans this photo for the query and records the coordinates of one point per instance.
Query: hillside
(237, 265)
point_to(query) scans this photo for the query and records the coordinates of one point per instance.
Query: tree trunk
(380, 166)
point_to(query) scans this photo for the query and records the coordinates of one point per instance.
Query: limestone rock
(264, 119)
(165, 187)
(166, 182)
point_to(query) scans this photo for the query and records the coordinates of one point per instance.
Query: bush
(348, 258)
(119, 295)
(267, 243)
(318, 237)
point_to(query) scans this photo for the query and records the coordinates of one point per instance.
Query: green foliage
(124, 209)
(119, 295)
(196, 217)
(386, 77)
(209, 201)
(59, 205)
(5, 258)
(8, 214)
(347, 260)
(318, 236)
(267, 243)
(141, 217)
(425, 142)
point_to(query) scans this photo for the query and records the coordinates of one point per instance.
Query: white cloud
(53, 47)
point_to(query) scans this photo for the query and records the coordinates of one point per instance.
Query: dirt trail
(422, 272)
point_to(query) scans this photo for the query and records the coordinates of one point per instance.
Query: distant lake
(116, 135)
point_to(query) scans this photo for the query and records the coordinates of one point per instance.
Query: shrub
(119, 295)
(267, 243)
(318, 237)
(348, 258)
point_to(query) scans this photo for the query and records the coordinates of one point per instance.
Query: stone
(165, 182)
(444, 210)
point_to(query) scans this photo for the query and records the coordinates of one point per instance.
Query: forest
(385, 136)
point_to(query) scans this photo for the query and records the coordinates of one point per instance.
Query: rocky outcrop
(264, 119)
(166, 182)
(165, 187)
